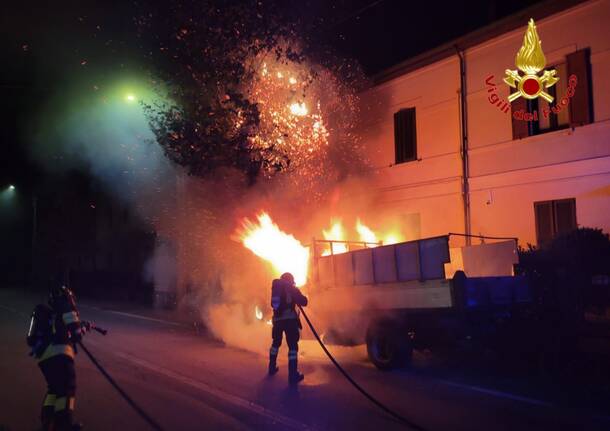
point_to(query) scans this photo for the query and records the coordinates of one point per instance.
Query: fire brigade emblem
(530, 60)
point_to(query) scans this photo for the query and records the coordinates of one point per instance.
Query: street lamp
(130, 97)
(7, 192)
(10, 191)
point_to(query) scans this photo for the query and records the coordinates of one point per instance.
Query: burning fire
(282, 250)
(365, 233)
(392, 238)
(286, 254)
(335, 233)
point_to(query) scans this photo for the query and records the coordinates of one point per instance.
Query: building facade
(451, 154)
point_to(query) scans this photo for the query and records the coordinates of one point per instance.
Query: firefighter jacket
(65, 330)
(284, 299)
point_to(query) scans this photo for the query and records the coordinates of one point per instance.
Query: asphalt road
(190, 382)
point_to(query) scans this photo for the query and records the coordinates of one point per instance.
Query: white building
(453, 164)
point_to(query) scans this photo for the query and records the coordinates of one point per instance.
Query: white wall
(429, 186)
(562, 164)
(507, 176)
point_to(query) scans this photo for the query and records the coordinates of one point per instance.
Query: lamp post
(10, 192)
(34, 234)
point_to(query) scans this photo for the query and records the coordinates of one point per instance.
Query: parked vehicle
(398, 297)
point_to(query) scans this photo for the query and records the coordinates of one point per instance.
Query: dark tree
(200, 50)
(206, 55)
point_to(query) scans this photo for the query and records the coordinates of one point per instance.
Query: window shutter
(399, 136)
(581, 105)
(544, 221)
(565, 216)
(412, 136)
(405, 135)
(520, 127)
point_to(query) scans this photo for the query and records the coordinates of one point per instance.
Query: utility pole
(34, 235)
(464, 145)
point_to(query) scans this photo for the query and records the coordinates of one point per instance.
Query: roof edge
(474, 38)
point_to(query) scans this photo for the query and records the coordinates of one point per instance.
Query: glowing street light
(130, 97)
(7, 193)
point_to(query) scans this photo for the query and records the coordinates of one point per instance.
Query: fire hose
(154, 425)
(386, 409)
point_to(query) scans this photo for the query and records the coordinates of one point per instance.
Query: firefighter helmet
(288, 278)
(59, 293)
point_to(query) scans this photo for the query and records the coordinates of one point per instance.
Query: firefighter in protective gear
(53, 345)
(285, 296)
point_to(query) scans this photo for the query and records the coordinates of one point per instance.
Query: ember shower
(249, 94)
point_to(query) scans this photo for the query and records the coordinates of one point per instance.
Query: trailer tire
(388, 346)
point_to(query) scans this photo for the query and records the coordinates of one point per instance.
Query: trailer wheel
(388, 347)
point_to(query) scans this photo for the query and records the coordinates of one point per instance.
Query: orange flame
(365, 233)
(283, 251)
(392, 238)
(335, 233)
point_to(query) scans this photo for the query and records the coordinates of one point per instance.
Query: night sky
(45, 46)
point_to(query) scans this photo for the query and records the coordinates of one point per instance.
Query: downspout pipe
(464, 145)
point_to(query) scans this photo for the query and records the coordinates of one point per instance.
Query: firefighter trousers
(58, 404)
(291, 328)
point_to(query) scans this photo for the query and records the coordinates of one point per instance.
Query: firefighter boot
(64, 412)
(47, 414)
(47, 419)
(273, 369)
(293, 374)
(65, 424)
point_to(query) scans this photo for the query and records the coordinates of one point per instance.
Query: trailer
(417, 294)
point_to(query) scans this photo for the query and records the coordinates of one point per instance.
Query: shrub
(561, 273)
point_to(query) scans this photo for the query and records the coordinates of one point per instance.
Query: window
(554, 218)
(550, 121)
(579, 110)
(405, 137)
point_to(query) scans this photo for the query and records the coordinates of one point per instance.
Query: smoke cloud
(103, 132)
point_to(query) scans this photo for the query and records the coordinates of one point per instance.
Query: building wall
(429, 186)
(506, 176)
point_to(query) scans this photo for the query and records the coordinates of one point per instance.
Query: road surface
(190, 382)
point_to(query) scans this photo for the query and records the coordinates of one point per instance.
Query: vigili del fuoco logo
(529, 84)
